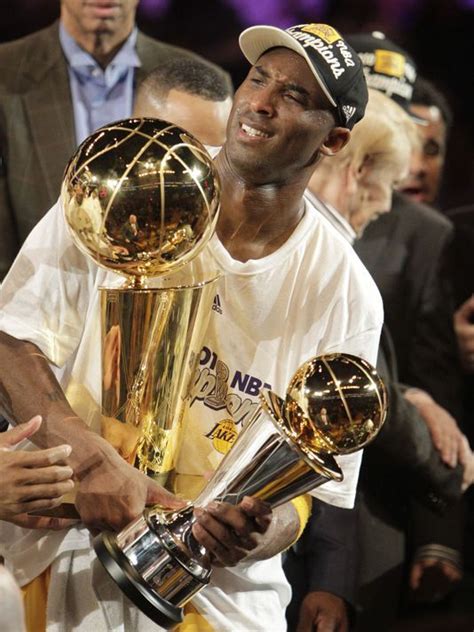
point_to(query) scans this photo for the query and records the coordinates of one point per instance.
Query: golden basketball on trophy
(141, 197)
(344, 422)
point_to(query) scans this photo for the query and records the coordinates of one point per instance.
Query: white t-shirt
(312, 296)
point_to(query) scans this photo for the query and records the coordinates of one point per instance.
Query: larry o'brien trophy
(141, 199)
(334, 404)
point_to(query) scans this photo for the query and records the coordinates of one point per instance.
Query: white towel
(83, 597)
(12, 618)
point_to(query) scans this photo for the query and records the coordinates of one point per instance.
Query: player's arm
(111, 492)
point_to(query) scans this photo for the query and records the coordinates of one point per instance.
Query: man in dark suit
(405, 251)
(462, 278)
(427, 161)
(56, 87)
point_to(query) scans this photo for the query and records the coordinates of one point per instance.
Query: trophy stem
(136, 282)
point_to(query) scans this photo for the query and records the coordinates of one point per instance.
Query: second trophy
(334, 405)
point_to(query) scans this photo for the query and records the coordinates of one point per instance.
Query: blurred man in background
(56, 87)
(427, 161)
(417, 301)
(191, 93)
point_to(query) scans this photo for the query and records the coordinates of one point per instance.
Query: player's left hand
(322, 612)
(227, 531)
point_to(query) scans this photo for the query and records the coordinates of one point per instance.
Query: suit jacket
(406, 251)
(402, 463)
(323, 559)
(37, 135)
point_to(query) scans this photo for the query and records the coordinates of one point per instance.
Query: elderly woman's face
(378, 175)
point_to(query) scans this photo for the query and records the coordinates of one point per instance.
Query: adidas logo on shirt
(216, 305)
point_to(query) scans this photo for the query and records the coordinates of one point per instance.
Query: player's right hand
(112, 493)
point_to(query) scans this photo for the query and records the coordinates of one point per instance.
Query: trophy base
(159, 610)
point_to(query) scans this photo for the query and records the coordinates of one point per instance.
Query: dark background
(438, 33)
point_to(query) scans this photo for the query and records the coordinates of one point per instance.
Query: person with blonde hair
(358, 181)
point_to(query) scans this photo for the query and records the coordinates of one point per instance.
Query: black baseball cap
(335, 65)
(387, 67)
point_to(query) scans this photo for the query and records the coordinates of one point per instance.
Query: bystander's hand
(464, 328)
(228, 531)
(322, 612)
(432, 579)
(445, 433)
(32, 480)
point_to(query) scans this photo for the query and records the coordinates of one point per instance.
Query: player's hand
(431, 579)
(112, 493)
(464, 328)
(227, 531)
(444, 431)
(322, 612)
(32, 480)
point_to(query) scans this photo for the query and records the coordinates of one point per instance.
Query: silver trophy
(335, 404)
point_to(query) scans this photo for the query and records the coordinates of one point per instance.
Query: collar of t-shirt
(99, 96)
(330, 213)
(255, 266)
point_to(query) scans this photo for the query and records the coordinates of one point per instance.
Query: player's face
(279, 119)
(427, 161)
(98, 16)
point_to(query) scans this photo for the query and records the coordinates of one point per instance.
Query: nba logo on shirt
(216, 305)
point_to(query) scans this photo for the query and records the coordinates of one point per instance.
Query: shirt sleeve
(45, 296)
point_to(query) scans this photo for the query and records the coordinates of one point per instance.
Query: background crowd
(438, 34)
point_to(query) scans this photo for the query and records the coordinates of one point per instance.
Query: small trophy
(335, 404)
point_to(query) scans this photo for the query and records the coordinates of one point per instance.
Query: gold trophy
(141, 198)
(334, 405)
